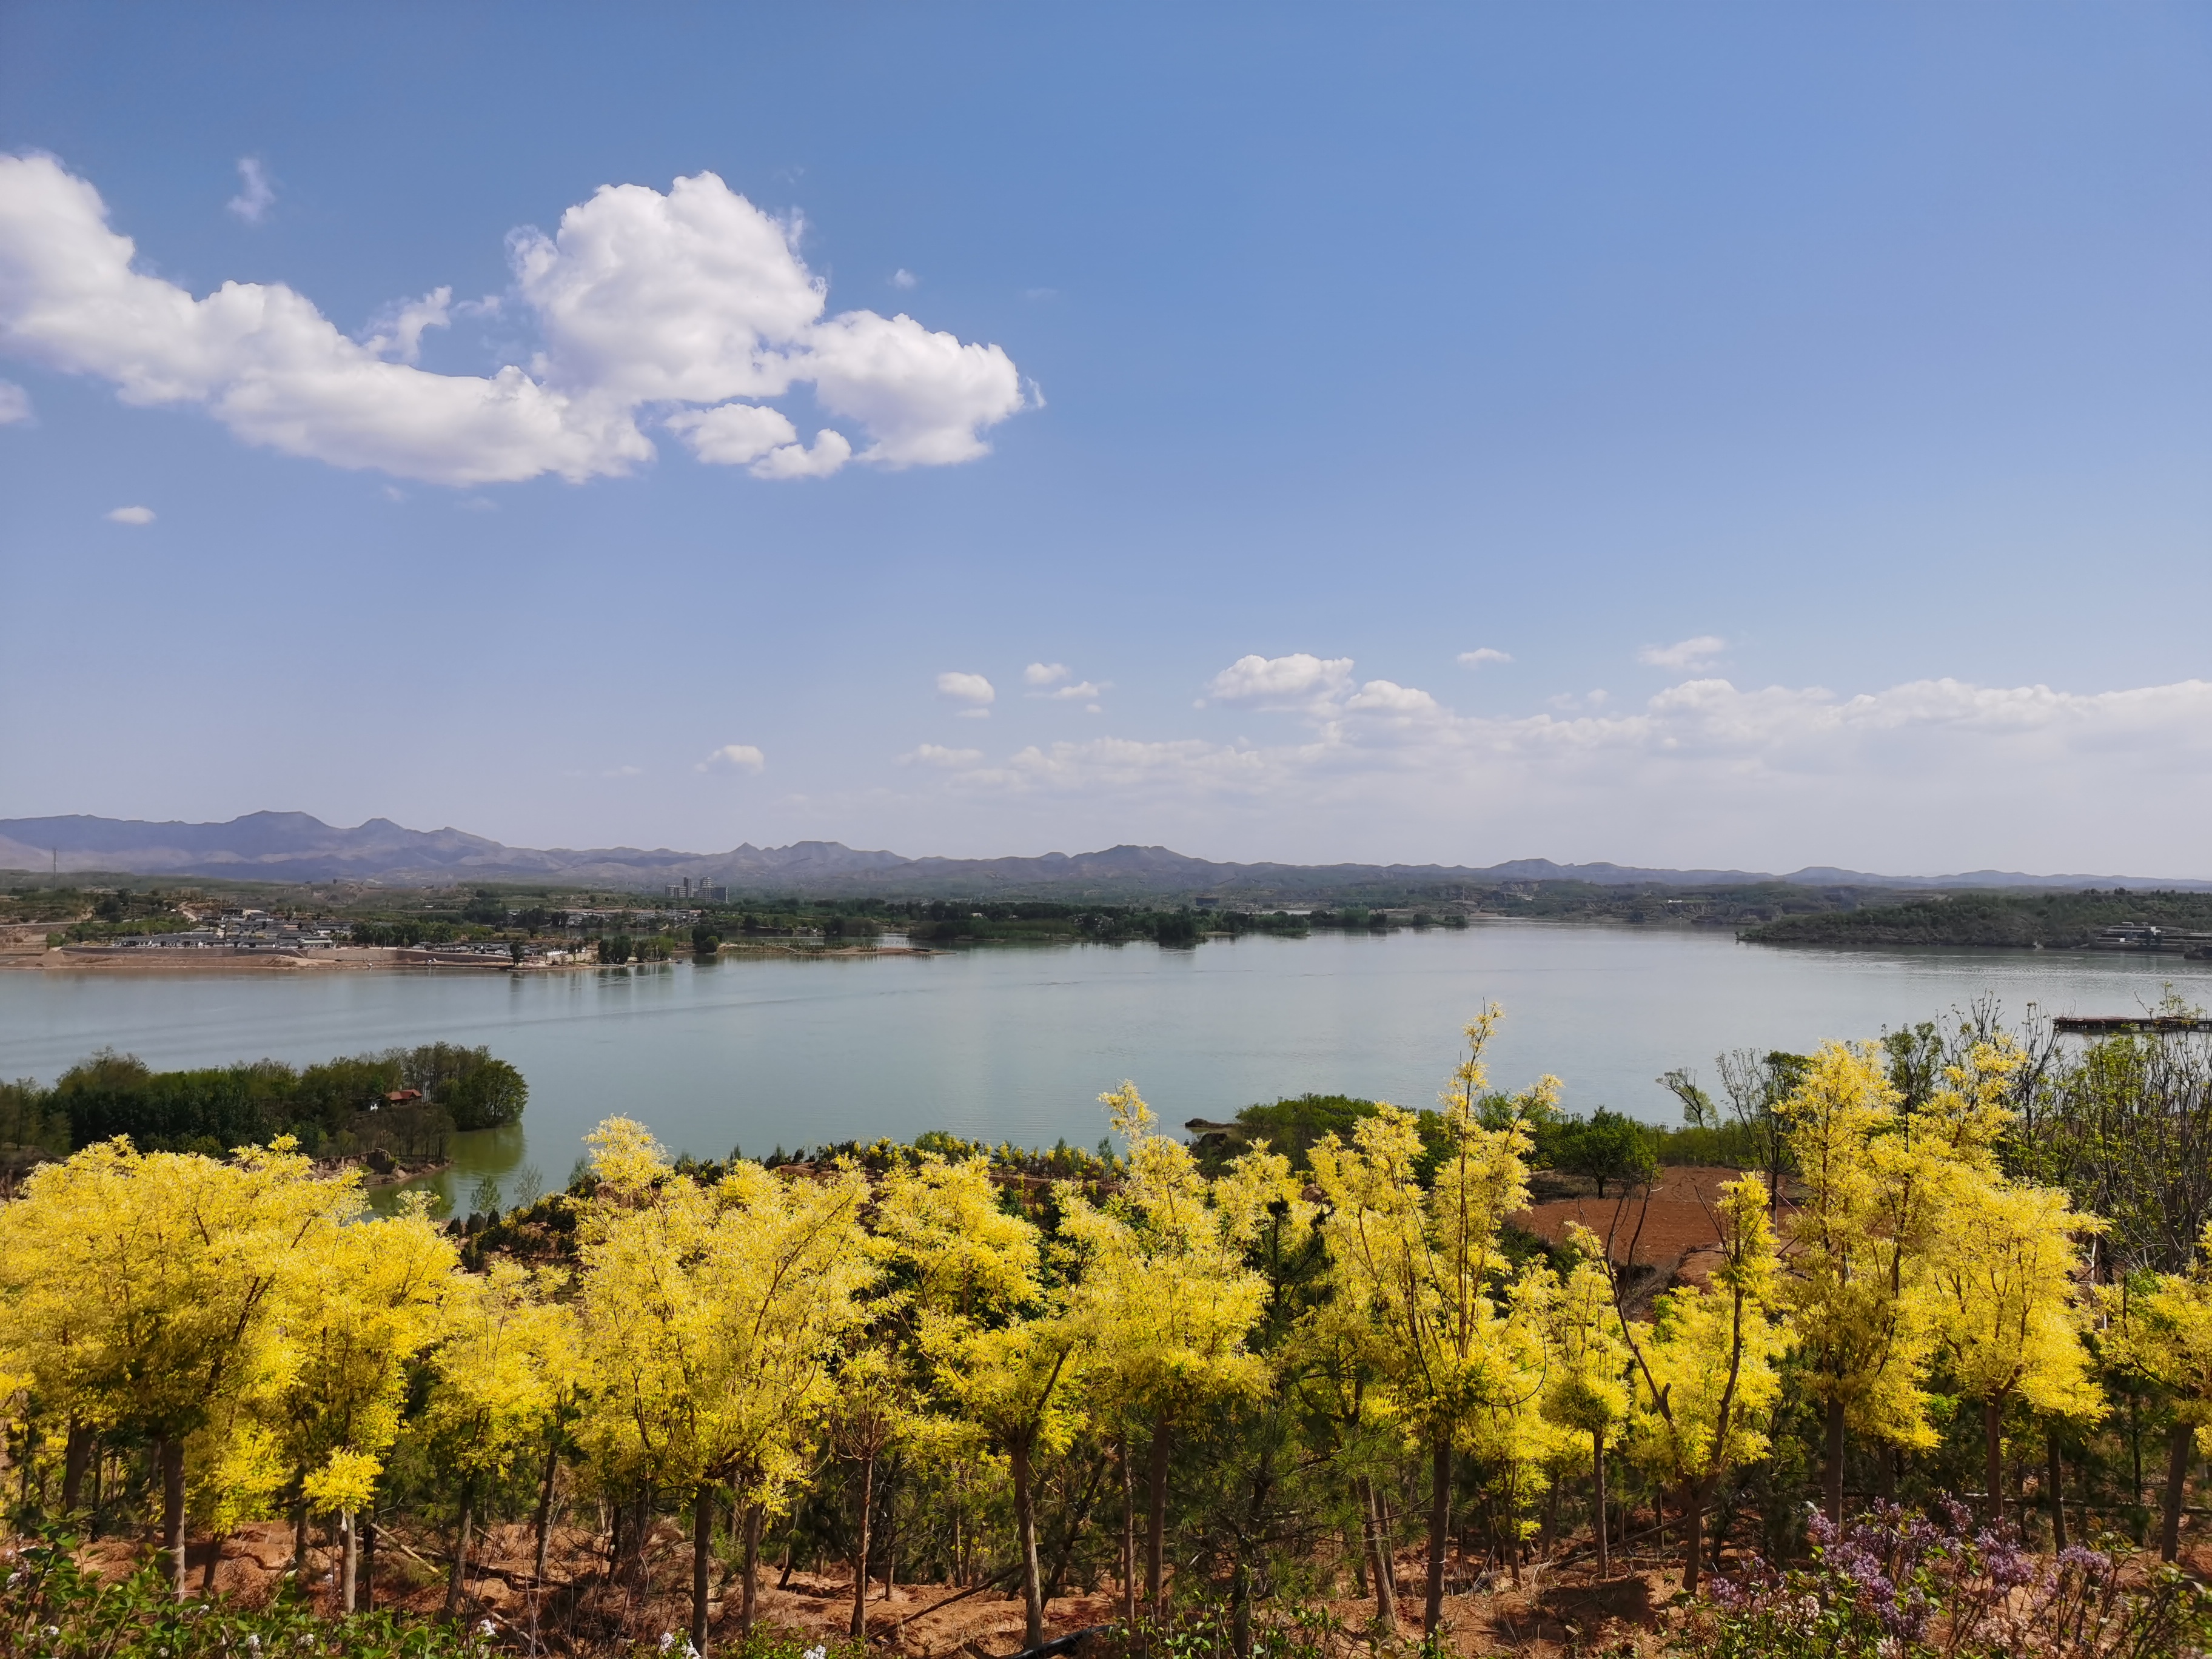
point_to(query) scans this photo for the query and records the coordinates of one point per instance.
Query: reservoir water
(1016, 1042)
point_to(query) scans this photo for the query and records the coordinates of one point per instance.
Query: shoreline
(92, 959)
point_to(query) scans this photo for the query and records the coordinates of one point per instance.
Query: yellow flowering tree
(364, 1302)
(1586, 1379)
(1001, 1354)
(1165, 1297)
(1414, 1263)
(494, 1380)
(2004, 1277)
(2160, 1328)
(714, 1316)
(1705, 1369)
(142, 1290)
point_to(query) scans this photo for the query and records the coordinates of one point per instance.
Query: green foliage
(2006, 918)
(1606, 1148)
(216, 1108)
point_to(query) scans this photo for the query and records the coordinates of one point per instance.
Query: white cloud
(695, 297)
(1683, 654)
(1482, 654)
(14, 403)
(1929, 777)
(131, 515)
(623, 772)
(398, 332)
(904, 278)
(256, 194)
(743, 756)
(1081, 691)
(1388, 697)
(966, 688)
(931, 754)
(1044, 673)
(1295, 681)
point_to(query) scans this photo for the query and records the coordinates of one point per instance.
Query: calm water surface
(1016, 1043)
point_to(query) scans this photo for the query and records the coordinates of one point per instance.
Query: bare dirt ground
(1557, 1609)
(1675, 1233)
(1548, 1614)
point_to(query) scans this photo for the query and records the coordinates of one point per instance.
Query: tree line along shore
(1939, 1380)
(613, 926)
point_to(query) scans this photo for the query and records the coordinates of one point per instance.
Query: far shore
(95, 959)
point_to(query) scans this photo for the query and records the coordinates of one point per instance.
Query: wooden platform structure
(2127, 1024)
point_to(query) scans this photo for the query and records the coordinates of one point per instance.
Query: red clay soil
(1673, 1231)
(1553, 1609)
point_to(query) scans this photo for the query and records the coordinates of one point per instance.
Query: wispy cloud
(904, 278)
(930, 754)
(1683, 654)
(14, 403)
(256, 195)
(1927, 776)
(1481, 654)
(131, 516)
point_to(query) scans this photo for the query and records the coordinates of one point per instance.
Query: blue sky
(1828, 388)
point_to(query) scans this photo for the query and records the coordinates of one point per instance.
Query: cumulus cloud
(256, 195)
(740, 757)
(1683, 654)
(930, 754)
(1482, 654)
(1295, 681)
(693, 305)
(904, 278)
(14, 403)
(131, 516)
(1080, 692)
(1044, 673)
(966, 688)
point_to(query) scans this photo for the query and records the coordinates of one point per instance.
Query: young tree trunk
(300, 1539)
(1240, 1605)
(1381, 1558)
(1831, 1471)
(1598, 1504)
(461, 1547)
(748, 1599)
(208, 1567)
(1128, 1538)
(1155, 1520)
(544, 1517)
(1025, 1531)
(172, 1456)
(703, 1562)
(1993, 1460)
(76, 1454)
(2056, 1461)
(1440, 1480)
(348, 1561)
(1693, 1532)
(1886, 1459)
(2180, 1442)
(367, 1586)
(859, 1630)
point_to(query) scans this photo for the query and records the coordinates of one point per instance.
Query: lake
(1016, 1042)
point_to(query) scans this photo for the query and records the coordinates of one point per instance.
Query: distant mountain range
(295, 847)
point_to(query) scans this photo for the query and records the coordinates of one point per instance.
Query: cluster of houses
(244, 932)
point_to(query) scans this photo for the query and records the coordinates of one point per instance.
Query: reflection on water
(1016, 1043)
